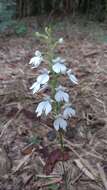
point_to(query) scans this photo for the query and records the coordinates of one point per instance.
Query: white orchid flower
(60, 123)
(61, 95)
(44, 107)
(38, 53)
(36, 60)
(37, 87)
(43, 78)
(61, 41)
(59, 68)
(41, 82)
(68, 112)
(72, 77)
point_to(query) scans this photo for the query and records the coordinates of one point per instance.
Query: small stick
(48, 176)
(102, 175)
(86, 164)
(77, 178)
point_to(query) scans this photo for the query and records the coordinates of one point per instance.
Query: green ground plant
(20, 28)
(7, 12)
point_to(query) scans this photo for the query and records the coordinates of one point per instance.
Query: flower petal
(38, 53)
(39, 108)
(43, 78)
(68, 112)
(59, 68)
(48, 108)
(32, 60)
(73, 79)
(35, 87)
(36, 61)
(43, 107)
(60, 123)
(61, 96)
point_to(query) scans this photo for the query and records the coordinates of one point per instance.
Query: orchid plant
(57, 102)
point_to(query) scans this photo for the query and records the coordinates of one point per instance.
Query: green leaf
(53, 187)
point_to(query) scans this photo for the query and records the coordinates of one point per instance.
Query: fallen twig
(22, 162)
(102, 175)
(5, 127)
(77, 178)
(84, 162)
(47, 176)
(84, 170)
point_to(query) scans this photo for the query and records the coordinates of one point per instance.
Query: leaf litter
(23, 136)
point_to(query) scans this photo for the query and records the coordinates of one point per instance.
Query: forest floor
(28, 146)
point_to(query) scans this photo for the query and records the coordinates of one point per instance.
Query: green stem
(56, 105)
(62, 150)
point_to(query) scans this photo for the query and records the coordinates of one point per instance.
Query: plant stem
(62, 150)
(56, 106)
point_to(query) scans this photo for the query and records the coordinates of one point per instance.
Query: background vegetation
(11, 9)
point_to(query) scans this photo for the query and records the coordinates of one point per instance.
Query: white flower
(38, 53)
(41, 82)
(36, 60)
(61, 41)
(61, 95)
(60, 123)
(68, 112)
(43, 78)
(44, 107)
(35, 87)
(72, 77)
(59, 68)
